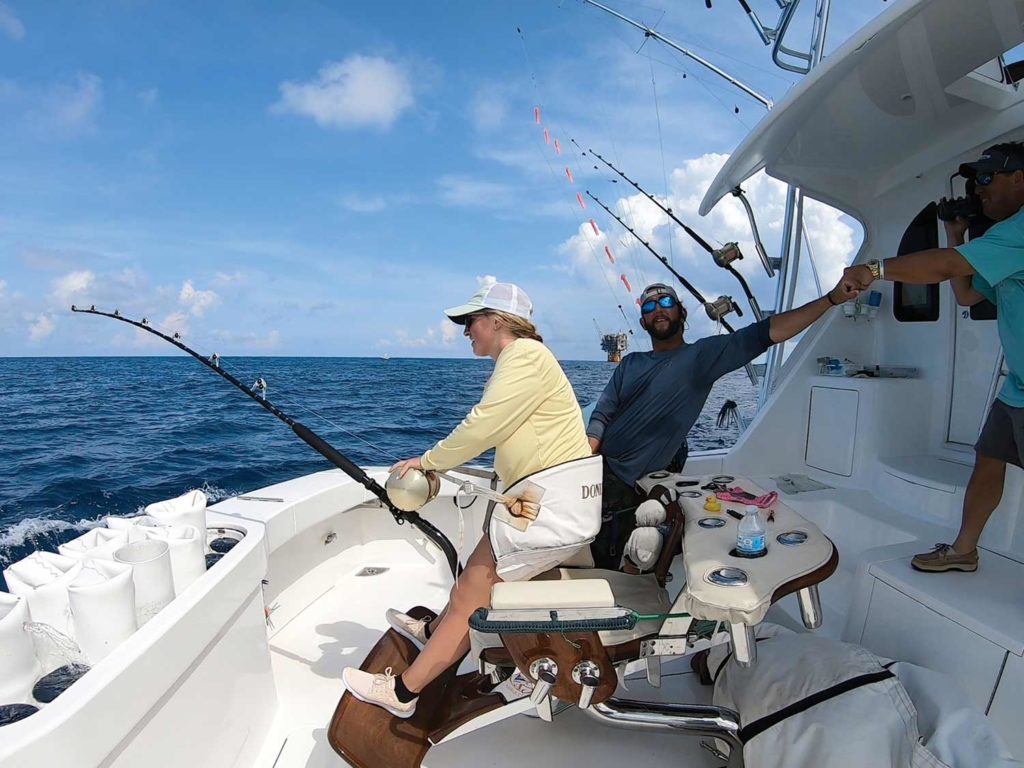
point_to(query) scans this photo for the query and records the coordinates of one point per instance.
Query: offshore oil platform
(614, 344)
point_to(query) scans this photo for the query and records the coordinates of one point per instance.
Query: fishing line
(687, 73)
(635, 254)
(555, 176)
(287, 397)
(661, 145)
(304, 433)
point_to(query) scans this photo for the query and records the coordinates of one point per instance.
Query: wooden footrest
(367, 736)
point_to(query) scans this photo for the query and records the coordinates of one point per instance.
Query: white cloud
(10, 24)
(149, 97)
(249, 340)
(474, 193)
(73, 108)
(41, 327)
(361, 91)
(227, 278)
(488, 111)
(3, 287)
(361, 204)
(196, 302)
(72, 285)
(435, 338)
(832, 238)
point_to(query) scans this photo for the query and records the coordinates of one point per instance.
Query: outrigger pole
(308, 436)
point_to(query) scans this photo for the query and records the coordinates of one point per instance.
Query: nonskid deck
(341, 626)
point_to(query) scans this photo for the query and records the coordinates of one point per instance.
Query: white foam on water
(214, 493)
(32, 529)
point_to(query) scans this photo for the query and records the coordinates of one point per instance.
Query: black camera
(966, 207)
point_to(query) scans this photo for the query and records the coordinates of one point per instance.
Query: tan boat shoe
(944, 558)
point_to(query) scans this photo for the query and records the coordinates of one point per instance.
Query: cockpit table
(723, 586)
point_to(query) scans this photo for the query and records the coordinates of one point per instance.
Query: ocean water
(83, 437)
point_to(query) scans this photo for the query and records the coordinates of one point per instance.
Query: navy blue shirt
(654, 398)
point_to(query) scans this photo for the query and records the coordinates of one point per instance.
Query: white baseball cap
(502, 297)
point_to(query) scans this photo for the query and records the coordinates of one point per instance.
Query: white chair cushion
(574, 593)
(641, 593)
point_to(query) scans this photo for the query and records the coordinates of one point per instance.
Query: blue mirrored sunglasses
(984, 179)
(665, 302)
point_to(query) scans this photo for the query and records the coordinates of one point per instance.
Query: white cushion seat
(582, 588)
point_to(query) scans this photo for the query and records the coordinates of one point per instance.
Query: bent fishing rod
(723, 256)
(258, 393)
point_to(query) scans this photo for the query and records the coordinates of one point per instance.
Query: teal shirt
(998, 261)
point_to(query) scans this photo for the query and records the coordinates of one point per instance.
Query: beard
(674, 328)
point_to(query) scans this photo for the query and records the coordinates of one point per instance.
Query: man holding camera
(988, 267)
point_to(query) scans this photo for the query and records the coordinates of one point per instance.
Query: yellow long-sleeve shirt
(528, 414)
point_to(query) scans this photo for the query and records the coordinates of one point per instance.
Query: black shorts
(1002, 437)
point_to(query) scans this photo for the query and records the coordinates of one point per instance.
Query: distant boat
(385, 356)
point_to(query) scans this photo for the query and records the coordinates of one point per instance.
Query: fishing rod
(686, 283)
(258, 393)
(716, 310)
(723, 256)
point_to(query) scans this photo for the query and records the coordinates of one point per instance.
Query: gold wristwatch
(876, 269)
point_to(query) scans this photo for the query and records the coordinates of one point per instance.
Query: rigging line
(661, 145)
(629, 244)
(551, 170)
(698, 42)
(681, 67)
(586, 236)
(635, 255)
(694, 43)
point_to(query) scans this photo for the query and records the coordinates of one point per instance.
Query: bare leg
(984, 492)
(449, 638)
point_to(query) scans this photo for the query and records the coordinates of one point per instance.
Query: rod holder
(588, 675)
(810, 606)
(744, 648)
(545, 672)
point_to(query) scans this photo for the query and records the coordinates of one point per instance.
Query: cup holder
(728, 577)
(792, 538)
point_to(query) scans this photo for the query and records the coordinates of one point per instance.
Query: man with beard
(642, 418)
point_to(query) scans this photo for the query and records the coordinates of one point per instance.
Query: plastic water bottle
(751, 535)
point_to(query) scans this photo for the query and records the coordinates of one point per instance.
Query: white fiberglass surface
(340, 627)
(854, 532)
(571, 739)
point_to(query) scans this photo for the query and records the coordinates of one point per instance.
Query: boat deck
(340, 627)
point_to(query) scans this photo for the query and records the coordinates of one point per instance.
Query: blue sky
(323, 178)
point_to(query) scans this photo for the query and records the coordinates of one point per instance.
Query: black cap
(1001, 157)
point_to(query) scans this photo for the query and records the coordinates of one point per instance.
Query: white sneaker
(377, 689)
(407, 626)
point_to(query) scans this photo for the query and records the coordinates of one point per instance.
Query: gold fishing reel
(413, 491)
